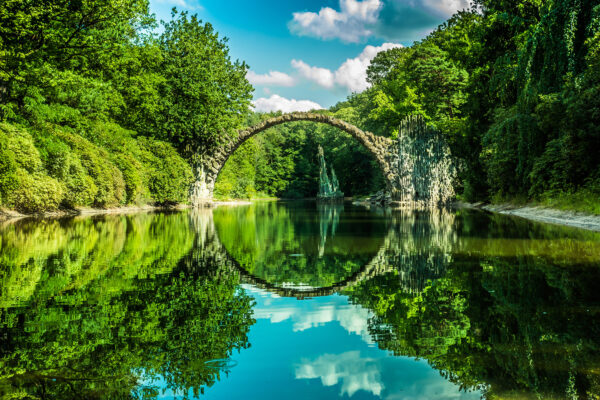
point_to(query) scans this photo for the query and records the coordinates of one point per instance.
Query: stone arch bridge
(380, 147)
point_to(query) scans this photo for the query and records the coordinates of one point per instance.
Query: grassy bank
(47, 168)
(584, 200)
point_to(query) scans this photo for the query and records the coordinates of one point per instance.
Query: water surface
(296, 301)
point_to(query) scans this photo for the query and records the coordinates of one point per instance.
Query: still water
(299, 301)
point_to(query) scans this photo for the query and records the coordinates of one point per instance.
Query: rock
(423, 165)
(380, 198)
(329, 189)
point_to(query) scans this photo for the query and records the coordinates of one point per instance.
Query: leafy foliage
(101, 104)
(205, 94)
(101, 308)
(58, 168)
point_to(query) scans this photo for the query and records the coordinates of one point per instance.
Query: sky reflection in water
(321, 349)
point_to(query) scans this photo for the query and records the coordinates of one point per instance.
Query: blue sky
(312, 53)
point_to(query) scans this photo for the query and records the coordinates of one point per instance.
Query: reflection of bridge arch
(415, 261)
(213, 251)
(374, 267)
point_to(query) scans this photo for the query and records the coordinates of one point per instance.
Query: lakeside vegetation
(99, 110)
(516, 91)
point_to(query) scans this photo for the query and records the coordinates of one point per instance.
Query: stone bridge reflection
(417, 248)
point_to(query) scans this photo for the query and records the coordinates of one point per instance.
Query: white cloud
(352, 74)
(446, 8)
(350, 24)
(322, 76)
(355, 372)
(185, 4)
(353, 318)
(356, 20)
(273, 78)
(278, 103)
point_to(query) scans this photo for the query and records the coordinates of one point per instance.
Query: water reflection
(403, 304)
(98, 308)
(294, 245)
(352, 371)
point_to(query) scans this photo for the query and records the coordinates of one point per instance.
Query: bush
(168, 176)
(8, 169)
(126, 154)
(20, 143)
(80, 189)
(55, 155)
(35, 193)
(107, 178)
(59, 168)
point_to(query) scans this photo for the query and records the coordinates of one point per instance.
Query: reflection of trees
(296, 247)
(517, 316)
(416, 247)
(80, 319)
(419, 245)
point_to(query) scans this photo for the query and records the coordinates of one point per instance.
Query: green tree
(41, 38)
(204, 95)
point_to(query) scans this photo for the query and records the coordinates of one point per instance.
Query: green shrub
(168, 176)
(80, 189)
(24, 185)
(8, 168)
(56, 167)
(55, 155)
(133, 171)
(107, 178)
(34, 193)
(20, 143)
(126, 154)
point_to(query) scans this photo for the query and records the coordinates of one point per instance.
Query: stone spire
(328, 189)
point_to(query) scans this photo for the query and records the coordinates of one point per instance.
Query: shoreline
(553, 216)
(533, 213)
(11, 215)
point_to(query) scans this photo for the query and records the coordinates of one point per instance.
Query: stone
(329, 189)
(424, 168)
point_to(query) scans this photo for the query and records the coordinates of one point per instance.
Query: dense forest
(99, 110)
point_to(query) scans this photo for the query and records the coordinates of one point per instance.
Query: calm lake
(294, 300)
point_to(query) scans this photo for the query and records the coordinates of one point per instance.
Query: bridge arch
(378, 146)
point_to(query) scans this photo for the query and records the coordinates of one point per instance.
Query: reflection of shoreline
(8, 216)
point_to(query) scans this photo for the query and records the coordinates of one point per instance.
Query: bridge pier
(201, 192)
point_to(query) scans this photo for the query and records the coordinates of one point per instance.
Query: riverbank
(534, 213)
(6, 214)
(547, 215)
